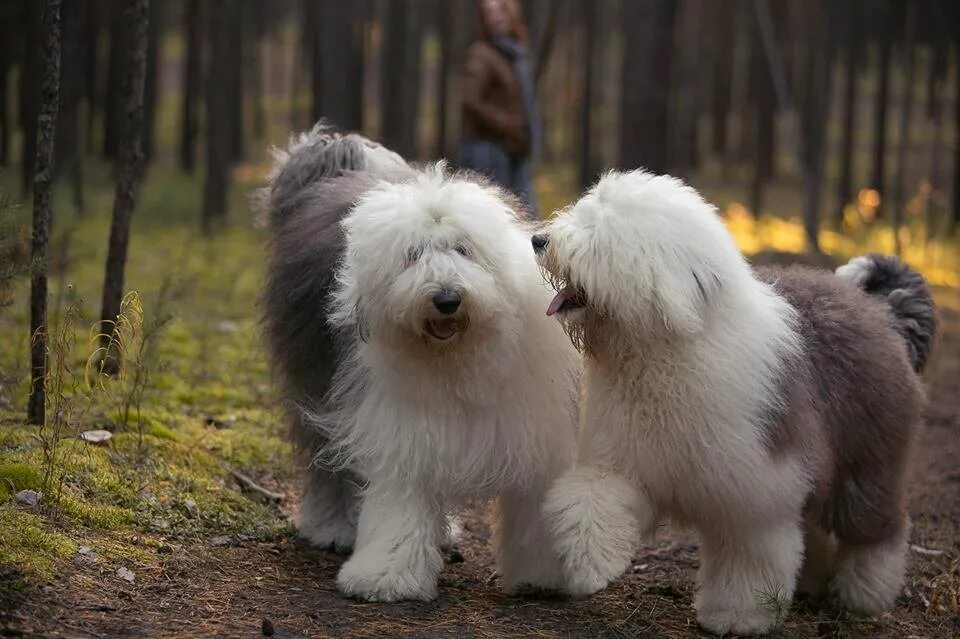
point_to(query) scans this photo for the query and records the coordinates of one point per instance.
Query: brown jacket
(492, 100)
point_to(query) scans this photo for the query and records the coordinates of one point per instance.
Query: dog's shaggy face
(428, 261)
(639, 250)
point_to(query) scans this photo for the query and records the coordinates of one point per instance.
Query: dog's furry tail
(907, 294)
(313, 159)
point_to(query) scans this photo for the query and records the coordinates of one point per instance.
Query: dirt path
(228, 591)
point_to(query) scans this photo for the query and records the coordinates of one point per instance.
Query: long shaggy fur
(767, 409)
(405, 410)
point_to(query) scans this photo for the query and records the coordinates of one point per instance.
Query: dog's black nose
(539, 241)
(447, 302)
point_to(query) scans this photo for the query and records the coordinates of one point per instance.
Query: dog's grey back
(313, 187)
(859, 383)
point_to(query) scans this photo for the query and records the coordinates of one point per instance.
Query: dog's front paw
(369, 579)
(738, 621)
(584, 581)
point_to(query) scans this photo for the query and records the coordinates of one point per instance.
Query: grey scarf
(516, 52)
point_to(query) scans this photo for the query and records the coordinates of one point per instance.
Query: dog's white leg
(747, 576)
(525, 549)
(596, 518)
(398, 548)
(328, 510)
(870, 577)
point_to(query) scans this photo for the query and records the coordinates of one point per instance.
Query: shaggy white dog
(405, 314)
(764, 409)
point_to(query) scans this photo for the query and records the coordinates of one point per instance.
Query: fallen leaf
(126, 575)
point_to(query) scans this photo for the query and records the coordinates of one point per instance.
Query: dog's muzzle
(447, 302)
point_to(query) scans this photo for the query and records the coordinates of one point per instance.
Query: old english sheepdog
(404, 314)
(773, 411)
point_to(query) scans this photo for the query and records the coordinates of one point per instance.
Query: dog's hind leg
(329, 509)
(873, 529)
(397, 556)
(747, 576)
(596, 518)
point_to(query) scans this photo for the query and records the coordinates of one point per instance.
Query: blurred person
(501, 126)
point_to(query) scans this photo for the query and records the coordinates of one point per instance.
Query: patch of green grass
(27, 542)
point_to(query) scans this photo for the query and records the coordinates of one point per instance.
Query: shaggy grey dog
(773, 410)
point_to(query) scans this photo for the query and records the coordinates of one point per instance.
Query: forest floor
(158, 532)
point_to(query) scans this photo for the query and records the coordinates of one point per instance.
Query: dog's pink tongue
(558, 300)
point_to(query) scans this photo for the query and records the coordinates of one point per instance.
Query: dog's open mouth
(569, 298)
(444, 329)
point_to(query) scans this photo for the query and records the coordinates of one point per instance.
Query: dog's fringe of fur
(908, 296)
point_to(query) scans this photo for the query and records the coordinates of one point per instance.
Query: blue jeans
(512, 172)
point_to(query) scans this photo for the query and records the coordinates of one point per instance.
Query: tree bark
(885, 43)
(116, 63)
(906, 110)
(49, 105)
(5, 55)
(338, 64)
(845, 188)
(150, 81)
(29, 91)
(645, 97)
(92, 51)
(588, 56)
(765, 111)
(955, 216)
(445, 24)
(400, 77)
(135, 18)
(724, 44)
(218, 115)
(190, 99)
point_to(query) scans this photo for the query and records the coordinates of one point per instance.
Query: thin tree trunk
(116, 63)
(29, 91)
(955, 217)
(189, 119)
(338, 60)
(588, 56)
(92, 52)
(845, 188)
(445, 32)
(400, 73)
(906, 109)
(645, 98)
(765, 105)
(5, 55)
(135, 20)
(878, 176)
(49, 105)
(217, 118)
(724, 44)
(150, 82)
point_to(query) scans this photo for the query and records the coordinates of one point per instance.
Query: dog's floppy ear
(685, 294)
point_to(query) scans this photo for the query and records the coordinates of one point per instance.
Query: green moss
(19, 476)
(25, 542)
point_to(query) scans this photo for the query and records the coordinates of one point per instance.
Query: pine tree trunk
(955, 216)
(587, 57)
(46, 128)
(765, 110)
(906, 110)
(645, 98)
(724, 45)
(445, 31)
(150, 82)
(29, 91)
(400, 77)
(135, 19)
(338, 76)
(116, 63)
(92, 51)
(878, 176)
(5, 54)
(845, 183)
(218, 116)
(190, 99)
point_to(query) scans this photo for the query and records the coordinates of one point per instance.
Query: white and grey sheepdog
(404, 314)
(773, 411)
